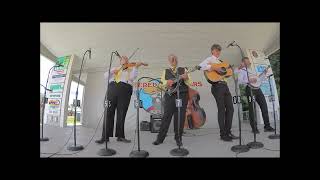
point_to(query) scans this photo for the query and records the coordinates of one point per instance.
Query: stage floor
(204, 142)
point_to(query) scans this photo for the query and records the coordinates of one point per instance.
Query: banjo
(256, 80)
(172, 90)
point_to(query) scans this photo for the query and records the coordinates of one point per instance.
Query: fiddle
(132, 64)
(127, 65)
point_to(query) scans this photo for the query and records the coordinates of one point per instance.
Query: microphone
(58, 65)
(231, 44)
(89, 53)
(117, 54)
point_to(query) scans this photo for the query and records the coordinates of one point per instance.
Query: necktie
(117, 76)
(173, 69)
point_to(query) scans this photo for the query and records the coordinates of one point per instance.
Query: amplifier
(155, 123)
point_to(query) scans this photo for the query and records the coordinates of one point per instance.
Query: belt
(113, 82)
(219, 82)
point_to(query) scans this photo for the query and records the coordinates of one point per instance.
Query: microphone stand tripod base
(274, 136)
(75, 148)
(255, 145)
(106, 152)
(179, 152)
(44, 139)
(139, 154)
(240, 148)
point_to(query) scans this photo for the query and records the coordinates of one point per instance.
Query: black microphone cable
(57, 153)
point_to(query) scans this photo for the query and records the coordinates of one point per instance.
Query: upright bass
(195, 115)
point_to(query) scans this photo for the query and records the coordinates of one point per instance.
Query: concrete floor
(204, 142)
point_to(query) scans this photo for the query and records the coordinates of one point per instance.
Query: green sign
(64, 61)
(56, 87)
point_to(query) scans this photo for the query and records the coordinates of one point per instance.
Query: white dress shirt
(125, 77)
(243, 77)
(211, 59)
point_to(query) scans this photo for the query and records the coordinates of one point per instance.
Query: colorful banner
(57, 83)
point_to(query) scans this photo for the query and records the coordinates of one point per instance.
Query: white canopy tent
(191, 42)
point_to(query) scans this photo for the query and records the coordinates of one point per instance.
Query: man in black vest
(170, 108)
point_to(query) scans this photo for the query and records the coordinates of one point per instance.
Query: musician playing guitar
(170, 108)
(257, 93)
(221, 93)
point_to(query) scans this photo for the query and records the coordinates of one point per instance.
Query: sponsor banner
(62, 70)
(58, 80)
(54, 106)
(54, 95)
(57, 87)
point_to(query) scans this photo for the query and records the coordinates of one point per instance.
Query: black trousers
(170, 109)
(119, 96)
(223, 97)
(259, 97)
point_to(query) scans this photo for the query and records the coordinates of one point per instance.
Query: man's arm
(204, 65)
(188, 81)
(111, 73)
(163, 78)
(134, 74)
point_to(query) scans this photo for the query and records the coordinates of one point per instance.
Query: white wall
(96, 87)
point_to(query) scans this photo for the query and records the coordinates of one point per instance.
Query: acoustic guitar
(214, 76)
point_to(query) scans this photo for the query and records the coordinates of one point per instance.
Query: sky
(45, 65)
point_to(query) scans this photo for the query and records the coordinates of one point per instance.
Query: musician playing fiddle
(118, 98)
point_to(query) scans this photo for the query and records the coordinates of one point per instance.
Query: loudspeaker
(155, 123)
(144, 126)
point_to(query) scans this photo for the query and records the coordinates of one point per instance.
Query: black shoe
(156, 142)
(226, 138)
(233, 136)
(256, 131)
(124, 140)
(102, 140)
(268, 129)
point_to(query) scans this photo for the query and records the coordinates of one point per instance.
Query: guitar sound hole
(223, 71)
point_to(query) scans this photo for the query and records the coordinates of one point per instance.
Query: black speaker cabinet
(144, 126)
(155, 123)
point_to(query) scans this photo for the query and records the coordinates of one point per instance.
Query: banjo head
(257, 83)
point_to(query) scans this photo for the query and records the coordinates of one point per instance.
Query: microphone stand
(139, 153)
(275, 135)
(75, 147)
(179, 151)
(44, 104)
(106, 151)
(238, 148)
(255, 144)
